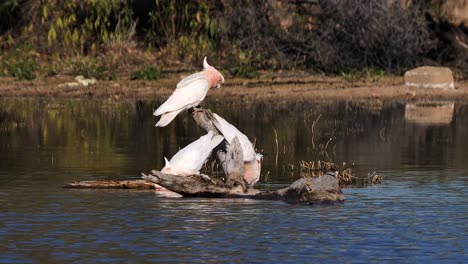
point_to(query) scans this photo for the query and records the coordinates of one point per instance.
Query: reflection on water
(417, 215)
(430, 113)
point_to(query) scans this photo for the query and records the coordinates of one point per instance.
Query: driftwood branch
(189, 185)
(126, 184)
(307, 190)
(230, 157)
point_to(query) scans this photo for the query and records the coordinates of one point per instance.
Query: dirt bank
(265, 88)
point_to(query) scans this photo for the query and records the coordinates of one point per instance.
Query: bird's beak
(220, 83)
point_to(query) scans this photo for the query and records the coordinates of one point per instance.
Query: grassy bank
(289, 87)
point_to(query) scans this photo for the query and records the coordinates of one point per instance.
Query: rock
(85, 82)
(68, 85)
(430, 77)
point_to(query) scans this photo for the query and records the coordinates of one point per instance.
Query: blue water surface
(417, 215)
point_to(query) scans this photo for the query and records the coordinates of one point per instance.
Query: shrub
(20, 63)
(80, 27)
(245, 66)
(90, 67)
(369, 33)
(147, 73)
(249, 27)
(182, 29)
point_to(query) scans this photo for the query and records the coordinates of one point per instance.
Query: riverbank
(298, 88)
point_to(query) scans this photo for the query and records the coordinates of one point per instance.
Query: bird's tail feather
(166, 118)
(158, 111)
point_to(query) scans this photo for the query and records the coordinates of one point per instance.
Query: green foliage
(245, 66)
(113, 36)
(84, 25)
(365, 73)
(147, 73)
(20, 63)
(91, 68)
(187, 29)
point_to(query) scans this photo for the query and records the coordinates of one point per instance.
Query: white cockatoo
(189, 160)
(252, 160)
(189, 93)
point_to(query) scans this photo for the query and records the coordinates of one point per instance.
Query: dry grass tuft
(344, 174)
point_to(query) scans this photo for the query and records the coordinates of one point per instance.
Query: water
(417, 215)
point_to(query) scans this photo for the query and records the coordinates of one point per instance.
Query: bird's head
(215, 78)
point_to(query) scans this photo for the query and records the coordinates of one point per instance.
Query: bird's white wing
(190, 94)
(229, 132)
(193, 156)
(189, 79)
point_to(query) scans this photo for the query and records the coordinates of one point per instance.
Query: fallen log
(125, 184)
(190, 186)
(308, 190)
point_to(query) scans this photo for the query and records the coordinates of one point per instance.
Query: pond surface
(418, 214)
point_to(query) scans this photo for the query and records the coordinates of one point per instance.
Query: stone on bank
(430, 77)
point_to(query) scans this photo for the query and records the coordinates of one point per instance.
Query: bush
(369, 33)
(20, 63)
(81, 27)
(247, 27)
(344, 36)
(97, 67)
(245, 66)
(113, 36)
(147, 73)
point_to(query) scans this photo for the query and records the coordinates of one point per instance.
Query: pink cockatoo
(189, 93)
(189, 160)
(252, 160)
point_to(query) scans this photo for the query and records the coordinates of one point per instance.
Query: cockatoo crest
(205, 64)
